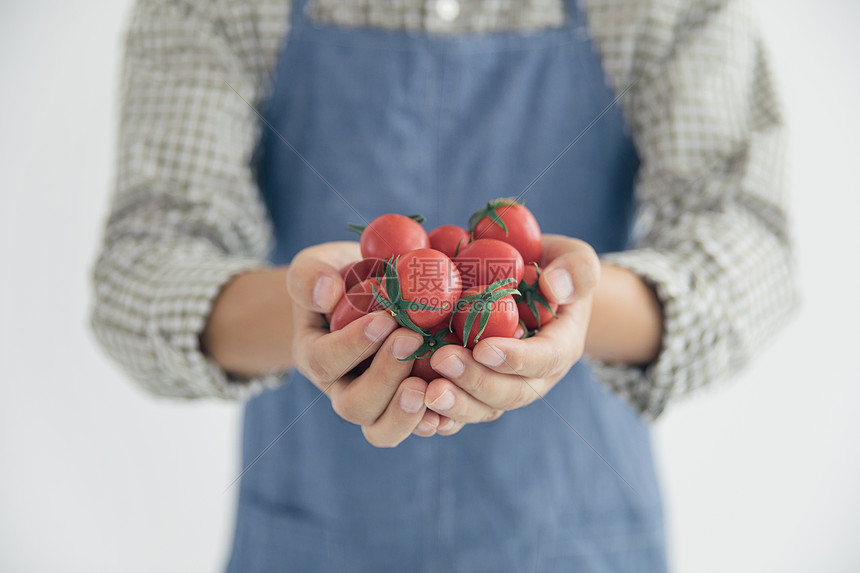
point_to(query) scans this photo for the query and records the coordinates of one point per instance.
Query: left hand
(505, 373)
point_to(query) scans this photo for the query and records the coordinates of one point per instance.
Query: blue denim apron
(404, 122)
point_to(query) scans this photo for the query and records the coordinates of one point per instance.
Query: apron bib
(404, 122)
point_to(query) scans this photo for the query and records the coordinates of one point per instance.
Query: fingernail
(425, 428)
(324, 293)
(489, 355)
(379, 327)
(446, 425)
(560, 284)
(404, 346)
(451, 367)
(411, 400)
(443, 402)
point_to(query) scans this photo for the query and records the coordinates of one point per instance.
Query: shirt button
(447, 10)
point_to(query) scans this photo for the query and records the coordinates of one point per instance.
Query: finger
(546, 355)
(313, 277)
(314, 285)
(401, 417)
(365, 399)
(445, 397)
(449, 427)
(571, 269)
(428, 424)
(323, 356)
(497, 391)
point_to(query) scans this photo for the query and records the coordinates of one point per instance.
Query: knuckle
(319, 369)
(301, 254)
(477, 384)
(494, 415)
(587, 269)
(515, 361)
(296, 275)
(349, 407)
(523, 396)
(371, 437)
(388, 374)
(453, 430)
(305, 258)
(378, 439)
(550, 365)
(590, 256)
(520, 398)
(339, 408)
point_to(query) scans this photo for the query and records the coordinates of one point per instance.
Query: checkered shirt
(696, 89)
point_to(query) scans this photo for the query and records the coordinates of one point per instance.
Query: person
(645, 136)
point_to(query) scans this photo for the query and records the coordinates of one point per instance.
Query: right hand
(385, 401)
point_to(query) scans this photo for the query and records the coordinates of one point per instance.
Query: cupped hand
(503, 374)
(384, 400)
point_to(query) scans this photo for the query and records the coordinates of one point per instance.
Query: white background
(760, 474)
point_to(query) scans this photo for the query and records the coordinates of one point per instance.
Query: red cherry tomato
(428, 277)
(390, 235)
(520, 229)
(449, 239)
(503, 318)
(421, 367)
(357, 302)
(358, 271)
(485, 261)
(530, 291)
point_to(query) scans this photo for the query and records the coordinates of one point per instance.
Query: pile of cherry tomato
(451, 285)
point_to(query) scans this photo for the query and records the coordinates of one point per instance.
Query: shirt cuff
(186, 291)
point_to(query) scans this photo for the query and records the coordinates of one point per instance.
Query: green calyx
(526, 332)
(432, 343)
(358, 229)
(481, 306)
(393, 301)
(530, 294)
(491, 211)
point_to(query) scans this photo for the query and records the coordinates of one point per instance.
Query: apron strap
(575, 15)
(299, 14)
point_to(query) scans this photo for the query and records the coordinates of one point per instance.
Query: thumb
(313, 281)
(571, 274)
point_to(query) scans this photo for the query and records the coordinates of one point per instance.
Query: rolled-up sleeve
(186, 215)
(712, 235)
